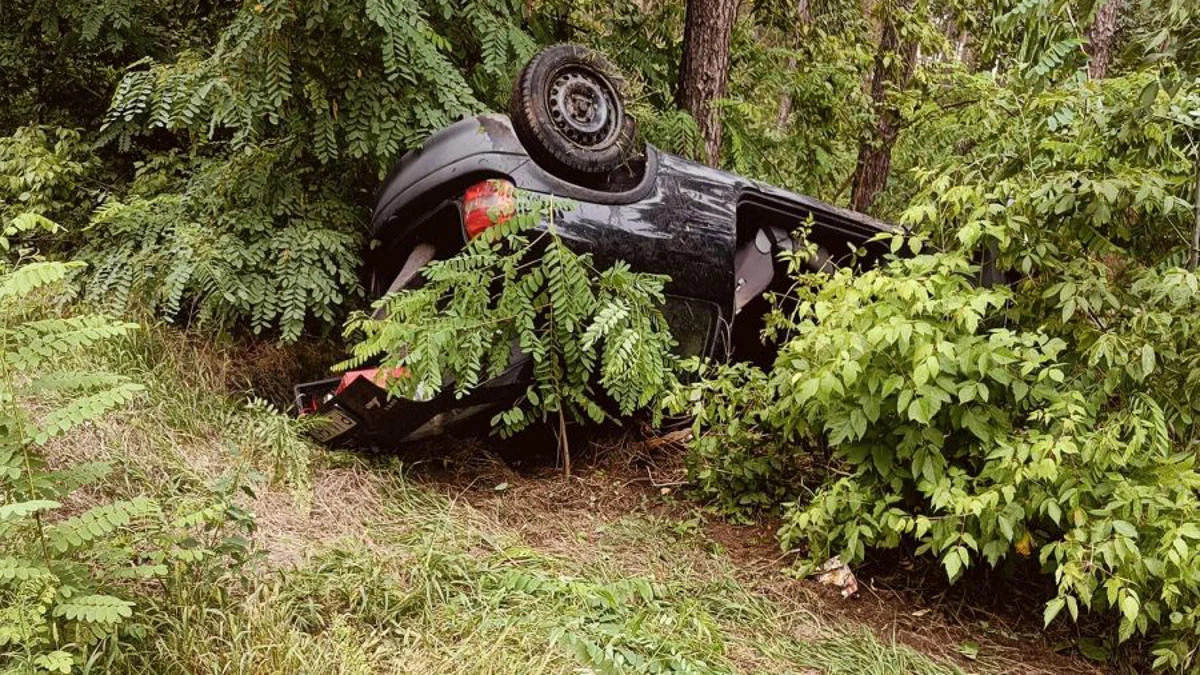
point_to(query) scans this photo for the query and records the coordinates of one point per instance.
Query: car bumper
(355, 411)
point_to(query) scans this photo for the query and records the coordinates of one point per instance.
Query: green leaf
(57, 661)
(84, 409)
(1125, 528)
(1148, 94)
(1053, 510)
(1052, 609)
(952, 563)
(26, 279)
(97, 522)
(97, 609)
(1130, 606)
(9, 512)
(16, 569)
(27, 222)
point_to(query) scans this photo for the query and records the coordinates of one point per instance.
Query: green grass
(413, 581)
(441, 588)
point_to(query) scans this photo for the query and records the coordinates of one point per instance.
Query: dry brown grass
(342, 504)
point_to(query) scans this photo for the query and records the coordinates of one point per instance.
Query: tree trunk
(1100, 38)
(704, 70)
(785, 99)
(894, 64)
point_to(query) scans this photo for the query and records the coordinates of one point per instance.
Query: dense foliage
(243, 239)
(256, 138)
(42, 171)
(1052, 417)
(73, 564)
(305, 106)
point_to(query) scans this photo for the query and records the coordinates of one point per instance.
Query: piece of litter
(837, 574)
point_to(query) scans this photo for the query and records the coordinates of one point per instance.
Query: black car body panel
(678, 218)
(466, 152)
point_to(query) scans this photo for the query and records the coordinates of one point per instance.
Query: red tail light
(486, 204)
(375, 376)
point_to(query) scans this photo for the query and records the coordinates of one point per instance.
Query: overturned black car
(716, 235)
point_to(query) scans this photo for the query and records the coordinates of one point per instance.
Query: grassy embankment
(363, 567)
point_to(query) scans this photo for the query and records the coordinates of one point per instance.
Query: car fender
(485, 146)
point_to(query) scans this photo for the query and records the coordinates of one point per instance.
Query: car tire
(568, 109)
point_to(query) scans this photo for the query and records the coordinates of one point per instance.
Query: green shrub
(73, 561)
(734, 460)
(1052, 417)
(291, 114)
(330, 80)
(975, 443)
(41, 174)
(226, 240)
(273, 440)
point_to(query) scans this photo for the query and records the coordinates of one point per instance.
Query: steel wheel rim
(584, 107)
